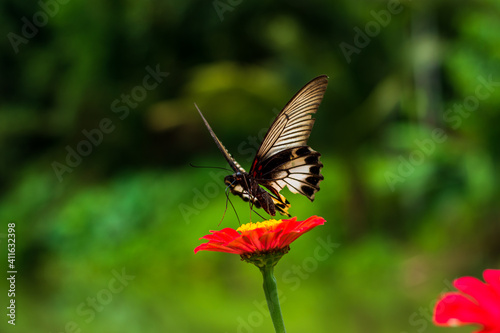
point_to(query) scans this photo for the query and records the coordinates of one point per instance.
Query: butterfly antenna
(209, 167)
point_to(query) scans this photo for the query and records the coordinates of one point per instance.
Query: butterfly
(283, 158)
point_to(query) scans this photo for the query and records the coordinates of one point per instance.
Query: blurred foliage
(134, 204)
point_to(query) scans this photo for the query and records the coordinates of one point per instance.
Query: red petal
(484, 294)
(295, 229)
(224, 235)
(213, 247)
(252, 239)
(268, 241)
(492, 277)
(456, 309)
(218, 241)
(243, 245)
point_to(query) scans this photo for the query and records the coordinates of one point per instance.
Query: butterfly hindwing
(281, 204)
(297, 168)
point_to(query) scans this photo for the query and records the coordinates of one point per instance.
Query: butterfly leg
(225, 210)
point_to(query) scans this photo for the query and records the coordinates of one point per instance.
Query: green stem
(271, 291)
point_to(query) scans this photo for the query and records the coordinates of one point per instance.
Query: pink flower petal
(476, 303)
(492, 277)
(483, 293)
(455, 309)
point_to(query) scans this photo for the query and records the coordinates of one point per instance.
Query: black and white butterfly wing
(284, 159)
(232, 162)
(294, 123)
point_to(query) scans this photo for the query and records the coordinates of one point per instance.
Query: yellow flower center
(268, 224)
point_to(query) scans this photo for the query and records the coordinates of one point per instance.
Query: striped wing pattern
(281, 204)
(294, 123)
(298, 168)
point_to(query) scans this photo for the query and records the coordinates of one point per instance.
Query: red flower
(260, 237)
(477, 303)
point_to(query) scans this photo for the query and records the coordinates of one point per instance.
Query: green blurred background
(408, 131)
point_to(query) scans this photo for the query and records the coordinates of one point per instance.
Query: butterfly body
(283, 158)
(246, 187)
